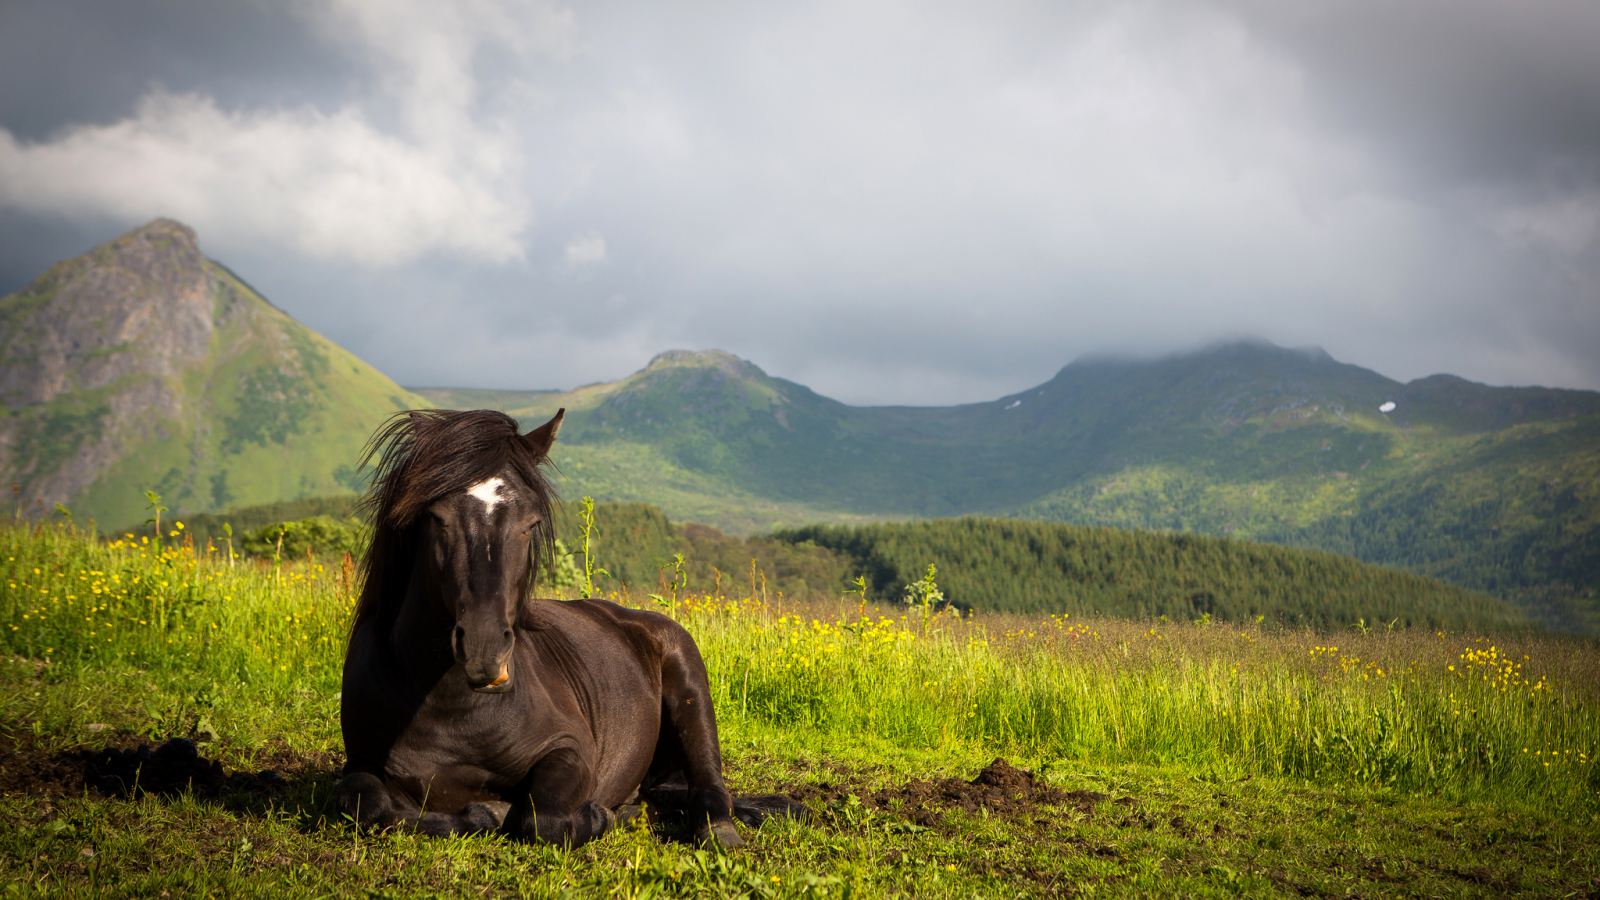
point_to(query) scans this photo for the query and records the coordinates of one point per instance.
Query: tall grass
(1511, 719)
(81, 606)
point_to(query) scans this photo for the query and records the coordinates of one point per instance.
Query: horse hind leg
(689, 734)
(753, 809)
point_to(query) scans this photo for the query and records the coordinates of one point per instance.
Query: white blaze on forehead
(487, 492)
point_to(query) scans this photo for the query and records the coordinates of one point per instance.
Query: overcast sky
(895, 202)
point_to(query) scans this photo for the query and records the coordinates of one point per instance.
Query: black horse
(469, 707)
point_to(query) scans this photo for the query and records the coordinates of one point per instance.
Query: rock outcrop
(139, 305)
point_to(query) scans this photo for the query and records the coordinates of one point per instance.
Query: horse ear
(541, 439)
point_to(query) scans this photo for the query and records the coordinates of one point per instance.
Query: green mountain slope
(1243, 439)
(1514, 512)
(144, 365)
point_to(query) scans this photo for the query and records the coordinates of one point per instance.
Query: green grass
(1251, 762)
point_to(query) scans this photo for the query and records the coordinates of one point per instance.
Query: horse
(469, 707)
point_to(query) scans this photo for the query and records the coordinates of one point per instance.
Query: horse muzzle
(497, 680)
(485, 654)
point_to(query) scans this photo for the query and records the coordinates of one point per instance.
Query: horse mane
(423, 455)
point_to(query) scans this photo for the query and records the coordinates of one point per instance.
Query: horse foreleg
(366, 800)
(556, 805)
(686, 706)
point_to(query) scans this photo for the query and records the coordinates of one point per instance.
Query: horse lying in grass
(469, 707)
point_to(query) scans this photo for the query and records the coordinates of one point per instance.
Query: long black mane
(426, 454)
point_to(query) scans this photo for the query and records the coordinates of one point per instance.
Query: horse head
(476, 545)
(462, 511)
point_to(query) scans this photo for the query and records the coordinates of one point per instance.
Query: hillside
(143, 365)
(991, 565)
(1512, 512)
(1293, 432)
(1046, 567)
(1243, 439)
(1000, 565)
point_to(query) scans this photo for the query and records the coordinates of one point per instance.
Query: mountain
(1490, 487)
(1286, 436)
(143, 365)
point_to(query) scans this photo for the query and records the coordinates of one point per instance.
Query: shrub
(318, 534)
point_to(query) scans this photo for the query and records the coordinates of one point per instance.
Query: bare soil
(1001, 788)
(128, 765)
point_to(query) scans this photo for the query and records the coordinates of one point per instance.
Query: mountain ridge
(1094, 418)
(1244, 439)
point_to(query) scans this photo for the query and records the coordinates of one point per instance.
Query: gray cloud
(70, 62)
(890, 202)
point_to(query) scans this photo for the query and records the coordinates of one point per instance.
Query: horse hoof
(499, 809)
(627, 812)
(487, 816)
(719, 834)
(754, 809)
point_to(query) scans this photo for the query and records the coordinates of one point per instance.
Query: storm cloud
(889, 202)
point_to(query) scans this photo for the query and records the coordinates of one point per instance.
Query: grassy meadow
(1203, 759)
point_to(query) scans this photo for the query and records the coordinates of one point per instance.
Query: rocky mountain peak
(705, 359)
(142, 365)
(140, 304)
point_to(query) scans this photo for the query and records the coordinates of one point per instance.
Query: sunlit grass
(82, 606)
(1505, 719)
(1512, 719)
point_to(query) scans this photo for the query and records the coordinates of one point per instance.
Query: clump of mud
(1001, 788)
(172, 767)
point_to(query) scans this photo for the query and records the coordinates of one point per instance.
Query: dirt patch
(1001, 788)
(130, 766)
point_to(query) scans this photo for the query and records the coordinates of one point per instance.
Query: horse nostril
(507, 635)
